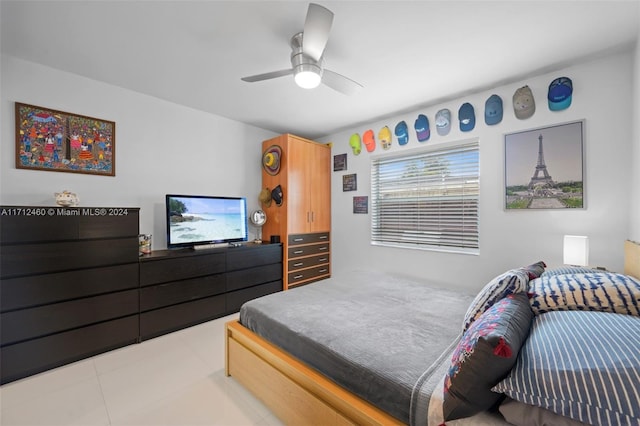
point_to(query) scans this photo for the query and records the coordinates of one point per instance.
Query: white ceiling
(406, 54)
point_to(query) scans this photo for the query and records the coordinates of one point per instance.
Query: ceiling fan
(307, 50)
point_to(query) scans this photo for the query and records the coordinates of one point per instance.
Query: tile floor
(176, 379)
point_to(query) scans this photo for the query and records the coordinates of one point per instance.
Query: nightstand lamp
(576, 250)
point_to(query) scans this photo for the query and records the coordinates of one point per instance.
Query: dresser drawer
(237, 280)
(307, 262)
(39, 224)
(34, 290)
(251, 256)
(306, 274)
(161, 295)
(31, 259)
(34, 356)
(48, 319)
(299, 239)
(301, 251)
(165, 320)
(162, 270)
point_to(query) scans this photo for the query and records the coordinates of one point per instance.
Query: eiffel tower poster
(544, 168)
(541, 168)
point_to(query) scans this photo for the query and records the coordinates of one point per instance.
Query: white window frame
(436, 209)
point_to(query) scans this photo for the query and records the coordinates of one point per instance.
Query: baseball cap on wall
(422, 128)
(493, 110)
(402, 132)
(523, 103)
(384, 135)
(467, 117)
(355, 143)
(443, 122)
(560, 91)
(369, 140)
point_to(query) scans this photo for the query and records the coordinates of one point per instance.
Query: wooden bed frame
(295, 393)
(299, 395)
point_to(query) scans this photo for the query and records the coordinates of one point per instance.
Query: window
(427, 199)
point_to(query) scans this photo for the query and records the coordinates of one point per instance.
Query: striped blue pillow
(510, 282)
(582, 365)
(561, 270)
(596, 291)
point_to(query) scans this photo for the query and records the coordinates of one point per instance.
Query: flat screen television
(199, 220)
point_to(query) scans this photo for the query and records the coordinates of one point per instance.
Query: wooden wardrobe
(303, 221)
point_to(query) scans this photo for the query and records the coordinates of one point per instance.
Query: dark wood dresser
(73, 285)
(186, 287)
(68, 285)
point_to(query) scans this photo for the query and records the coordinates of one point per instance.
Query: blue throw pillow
(596, 291)
(582, 365)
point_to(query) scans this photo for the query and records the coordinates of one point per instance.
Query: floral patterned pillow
(485, 355)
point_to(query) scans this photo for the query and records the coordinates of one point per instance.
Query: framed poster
(544, 168)
(57, 141)
(361, 204)
(339, 162)
(349, 182)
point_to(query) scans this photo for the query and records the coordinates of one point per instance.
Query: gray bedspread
(384, 338)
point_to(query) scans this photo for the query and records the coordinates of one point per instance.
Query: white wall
(514, 238)
(161, 147)
(634, 217)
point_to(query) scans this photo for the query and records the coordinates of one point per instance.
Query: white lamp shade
(576, 250)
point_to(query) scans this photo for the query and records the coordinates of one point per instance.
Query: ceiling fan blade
(317, 27)
(340, 83)
(267, 76)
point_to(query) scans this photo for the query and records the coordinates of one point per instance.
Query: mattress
(385, 338)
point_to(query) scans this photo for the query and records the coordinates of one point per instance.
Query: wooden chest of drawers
(309, 258)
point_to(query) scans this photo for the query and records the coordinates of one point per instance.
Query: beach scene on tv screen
(194, 220)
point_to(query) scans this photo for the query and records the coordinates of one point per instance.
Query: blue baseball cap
(467, 117)
(422, 128)
(493, 110)
(402, 133)
(560, 91)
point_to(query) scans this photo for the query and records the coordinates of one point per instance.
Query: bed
(367, 352)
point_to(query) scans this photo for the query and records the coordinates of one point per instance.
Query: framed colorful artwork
(545, 168)
(57, 141)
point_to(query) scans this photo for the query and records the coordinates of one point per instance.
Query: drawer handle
(298, 264)
(324, 259)
(323, 237)
(298, 252)
(323, 270)
(297, 277)
(323, 248)
(298, 239)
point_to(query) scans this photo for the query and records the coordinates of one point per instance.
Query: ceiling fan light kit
(307, 72)
(307, 49)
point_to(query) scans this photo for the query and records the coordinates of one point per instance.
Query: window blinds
(427, 199)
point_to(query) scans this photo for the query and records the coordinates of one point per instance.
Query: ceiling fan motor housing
(300, 62)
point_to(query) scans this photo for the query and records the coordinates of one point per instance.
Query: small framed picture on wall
(361, 204)
(339, 162)
(349, 182)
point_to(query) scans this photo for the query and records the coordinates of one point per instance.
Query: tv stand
(181, 288)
